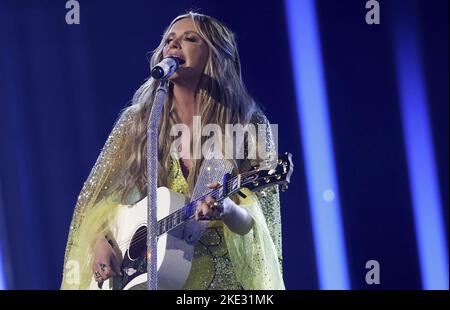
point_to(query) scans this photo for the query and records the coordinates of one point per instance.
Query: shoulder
(129, 113)
(259, 118)
(126, 118)
(260, 147)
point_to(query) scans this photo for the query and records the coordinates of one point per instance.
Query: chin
(180, 76)
(175, 77)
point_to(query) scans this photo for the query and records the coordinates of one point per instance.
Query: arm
(237, 218)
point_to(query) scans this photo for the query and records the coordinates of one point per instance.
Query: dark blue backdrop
(61, 88)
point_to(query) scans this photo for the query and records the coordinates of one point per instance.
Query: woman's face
(184, 42)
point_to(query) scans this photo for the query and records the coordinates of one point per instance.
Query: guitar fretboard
(253, 180)
(181, 215)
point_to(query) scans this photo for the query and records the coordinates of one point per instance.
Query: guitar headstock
(278, 172)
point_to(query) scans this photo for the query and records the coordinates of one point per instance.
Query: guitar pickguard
(130, 270)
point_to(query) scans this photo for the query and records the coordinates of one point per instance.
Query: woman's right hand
(106, 261)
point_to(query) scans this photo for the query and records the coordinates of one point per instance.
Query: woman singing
(241, 248)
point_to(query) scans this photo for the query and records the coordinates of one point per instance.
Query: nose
(174, 44)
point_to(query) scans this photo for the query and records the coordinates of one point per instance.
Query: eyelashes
(187, 38)
(191, 39)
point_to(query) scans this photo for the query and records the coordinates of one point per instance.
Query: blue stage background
(62, 86)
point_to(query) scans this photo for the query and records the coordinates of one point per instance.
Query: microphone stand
(152, 175)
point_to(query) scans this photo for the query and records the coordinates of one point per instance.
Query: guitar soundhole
(138, 245)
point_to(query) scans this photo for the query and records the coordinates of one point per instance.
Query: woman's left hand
(237, 219)
(208, 209)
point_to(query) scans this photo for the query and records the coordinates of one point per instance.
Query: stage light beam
(420, 157)
(312, 102)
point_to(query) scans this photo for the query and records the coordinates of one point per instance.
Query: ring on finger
(103, 266)
(211, 205)
(215, 205)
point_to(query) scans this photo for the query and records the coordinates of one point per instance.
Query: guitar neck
(278, 172)
(230, 187)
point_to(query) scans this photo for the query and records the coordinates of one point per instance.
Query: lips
(179, 57)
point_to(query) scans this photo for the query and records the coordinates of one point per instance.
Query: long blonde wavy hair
(224, 100)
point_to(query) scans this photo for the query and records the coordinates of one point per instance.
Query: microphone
(166, 68)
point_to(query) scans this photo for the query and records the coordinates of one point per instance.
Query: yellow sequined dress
(222, 259)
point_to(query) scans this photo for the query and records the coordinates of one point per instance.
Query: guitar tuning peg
(284, 187)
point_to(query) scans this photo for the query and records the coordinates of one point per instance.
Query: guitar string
(164, 221)
(143, 234)
(178, 214)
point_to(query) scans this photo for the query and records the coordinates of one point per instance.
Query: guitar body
(178, 232)
(129, 235)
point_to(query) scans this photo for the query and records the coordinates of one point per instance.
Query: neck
(186, 101)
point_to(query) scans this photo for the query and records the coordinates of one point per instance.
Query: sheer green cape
(256, 257)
